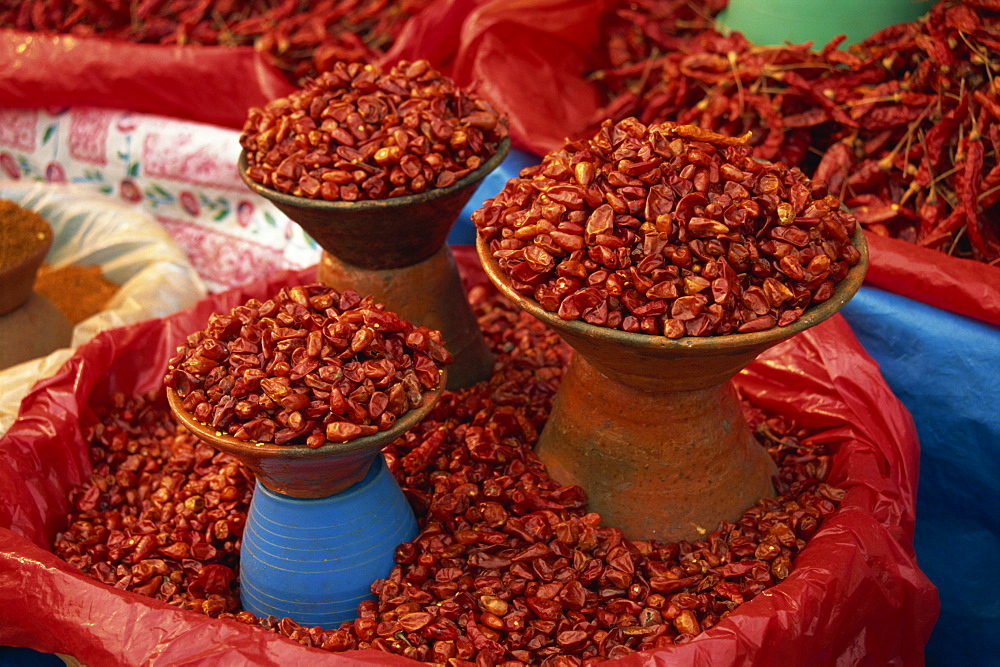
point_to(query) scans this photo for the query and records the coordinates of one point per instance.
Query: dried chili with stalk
(886, 124)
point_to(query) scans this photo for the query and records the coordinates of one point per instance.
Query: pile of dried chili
(309, 366)
(301, 38)
(669, 230)
(904, 127)
(666, 61)
(357, 132)
(923, 163)
(508, 567)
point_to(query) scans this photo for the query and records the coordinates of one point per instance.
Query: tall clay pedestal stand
(323, 523)
(651, 428)
(395, 250)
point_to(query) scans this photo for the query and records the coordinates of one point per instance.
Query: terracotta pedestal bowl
(395, 249)
(323, 523)
(651, 427)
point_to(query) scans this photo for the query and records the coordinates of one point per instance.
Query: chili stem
(985, 56)
(954, 243)
(986, 193)
(736, 79)
(641, 82)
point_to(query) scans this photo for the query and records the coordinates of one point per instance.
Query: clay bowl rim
(284, 199)
(265, 450)
(734, 343)
(19, 278)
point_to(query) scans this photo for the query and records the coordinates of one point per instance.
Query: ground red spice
(77, 291)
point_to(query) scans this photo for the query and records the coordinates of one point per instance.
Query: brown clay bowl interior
(658, 363)
(303, 472)
(17, 280)
(381, 233)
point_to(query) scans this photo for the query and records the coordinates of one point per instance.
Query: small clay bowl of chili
(375, 165)
(299, 471)
(378, 234)
(306, 387)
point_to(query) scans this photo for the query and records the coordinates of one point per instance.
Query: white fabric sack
(132, 250)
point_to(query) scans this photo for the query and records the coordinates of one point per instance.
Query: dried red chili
(309, 366)
(676, 231)
(356, 133)
(897, 103)
(508, 565)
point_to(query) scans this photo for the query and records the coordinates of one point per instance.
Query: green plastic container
(774, 22)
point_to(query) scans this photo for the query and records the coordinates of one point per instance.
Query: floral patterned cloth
(181, 173)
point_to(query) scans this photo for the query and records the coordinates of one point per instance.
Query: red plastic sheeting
(528, 58)
(207, 84)
(855, 596)
(531, 60)
(956, 285)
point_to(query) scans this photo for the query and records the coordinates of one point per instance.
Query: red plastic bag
(962, 286)
(855, 596)
(433, 35)
(208, 84)
(530, 61)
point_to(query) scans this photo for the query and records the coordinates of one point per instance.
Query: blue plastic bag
(945, 368)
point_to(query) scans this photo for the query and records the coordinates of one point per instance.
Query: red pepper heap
(509, 565)
(668, 229)
(309, 366)
(357, 132)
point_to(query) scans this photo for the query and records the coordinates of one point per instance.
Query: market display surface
(489, 516)
(901, 127)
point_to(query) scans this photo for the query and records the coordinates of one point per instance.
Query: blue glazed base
(314, 560)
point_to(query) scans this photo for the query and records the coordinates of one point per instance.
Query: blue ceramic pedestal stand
(324, 522)
(314, 559)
